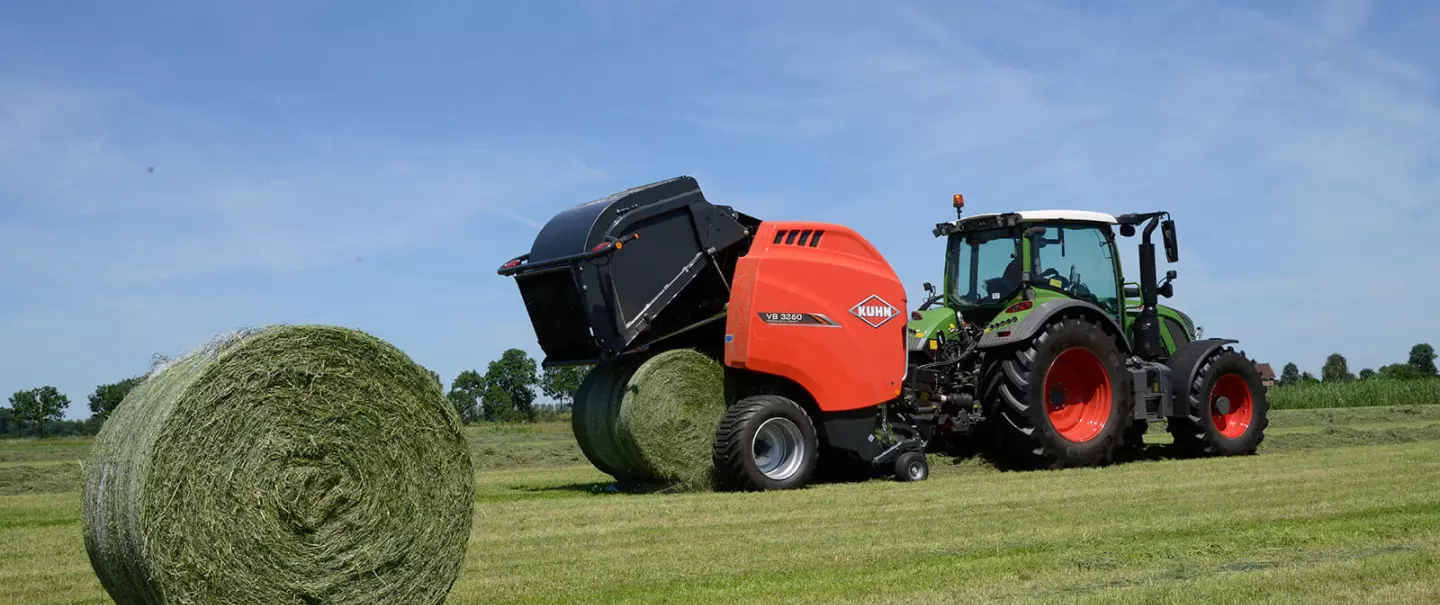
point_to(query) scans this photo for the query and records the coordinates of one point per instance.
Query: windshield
(983, 267)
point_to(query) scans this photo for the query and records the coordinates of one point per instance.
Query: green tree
(1422, 358)
(465, 393)
(107, 397)
(1399, 371)
(1290, 375)
(1336, 369)
(498, 405)
(7, 421)
(561, 383)
(1308, 378)
(1367, 374)
(39, 405)
(513, 373)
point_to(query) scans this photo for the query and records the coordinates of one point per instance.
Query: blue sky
(369, 164)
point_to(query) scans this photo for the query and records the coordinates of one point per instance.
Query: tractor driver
(1008, 281)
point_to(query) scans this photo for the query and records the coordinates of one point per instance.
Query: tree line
(506, 392)
(1420, 365)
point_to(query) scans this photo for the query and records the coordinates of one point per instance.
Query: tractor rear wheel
(1226, 408)
(765, 442)
(1059, 400)
(1135, 435)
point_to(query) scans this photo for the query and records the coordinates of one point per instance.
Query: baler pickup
(623, 272)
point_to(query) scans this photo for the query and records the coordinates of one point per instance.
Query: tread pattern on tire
(1193, 432)
(732, 448)
(1021, 436)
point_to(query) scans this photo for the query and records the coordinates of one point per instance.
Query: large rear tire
(1059, 400)
(1227, 409)
(765, 442)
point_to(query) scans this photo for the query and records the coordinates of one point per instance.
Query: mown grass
(1307, 522)
(1357, 393)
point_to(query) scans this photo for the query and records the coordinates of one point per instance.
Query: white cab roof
(1084, 216)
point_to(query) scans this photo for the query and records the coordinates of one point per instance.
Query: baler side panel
(847, 358)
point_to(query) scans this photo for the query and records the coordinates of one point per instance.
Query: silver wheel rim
(778, 448)
(917, 471)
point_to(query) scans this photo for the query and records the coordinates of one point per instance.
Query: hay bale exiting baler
(292, 464)
(655, 422)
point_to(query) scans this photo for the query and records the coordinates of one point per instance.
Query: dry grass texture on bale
(291, 464)
(654, 422)
(671, 408)
(593, 418)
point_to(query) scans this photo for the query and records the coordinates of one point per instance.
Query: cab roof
(1082, 216)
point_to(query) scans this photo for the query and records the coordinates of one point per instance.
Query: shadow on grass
(603, 488)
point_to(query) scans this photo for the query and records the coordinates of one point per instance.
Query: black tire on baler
(592, 421)
(1023, 417)
(1205, 430)
(739, 454)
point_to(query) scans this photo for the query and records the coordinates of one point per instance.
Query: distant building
(1267, 374)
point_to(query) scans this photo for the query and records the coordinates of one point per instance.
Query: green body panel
(1041, 296)
(1132, 307)
(933, 322)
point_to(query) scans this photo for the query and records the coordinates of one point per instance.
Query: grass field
(1343, 506)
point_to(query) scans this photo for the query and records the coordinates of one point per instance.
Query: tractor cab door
(1079, 260)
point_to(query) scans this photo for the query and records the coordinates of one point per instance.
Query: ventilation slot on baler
(805, 238)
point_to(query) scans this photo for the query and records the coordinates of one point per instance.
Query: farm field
(1342, 506)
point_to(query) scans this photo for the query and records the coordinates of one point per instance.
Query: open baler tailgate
(624, 271)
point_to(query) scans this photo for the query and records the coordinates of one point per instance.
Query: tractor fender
(1041, 315)
(1185, 363)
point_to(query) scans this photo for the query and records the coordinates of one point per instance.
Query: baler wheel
(765, 442)
(1227, 408)
(1058, 400)
(912, 466)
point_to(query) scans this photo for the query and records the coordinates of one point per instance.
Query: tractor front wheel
(1226, 408)
(765, 442)
(1059, 400)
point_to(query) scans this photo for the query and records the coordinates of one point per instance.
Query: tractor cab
(998, 267)
(992, 259)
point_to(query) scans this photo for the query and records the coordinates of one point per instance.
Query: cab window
(1080, 261)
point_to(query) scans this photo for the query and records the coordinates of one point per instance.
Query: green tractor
(1039, 351)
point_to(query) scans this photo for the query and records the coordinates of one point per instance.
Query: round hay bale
(670, 410)
(587, 417)
(291, 464)
(600, 416)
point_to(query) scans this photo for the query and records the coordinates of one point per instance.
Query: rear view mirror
(1172, 247)
(1132, 290)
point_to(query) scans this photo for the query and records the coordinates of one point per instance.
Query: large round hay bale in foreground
(291, 464)
(670, 409)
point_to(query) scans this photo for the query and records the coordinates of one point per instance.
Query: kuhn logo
(875, 311)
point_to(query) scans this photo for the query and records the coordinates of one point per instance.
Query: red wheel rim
(1077, 395)
(1231, 405)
